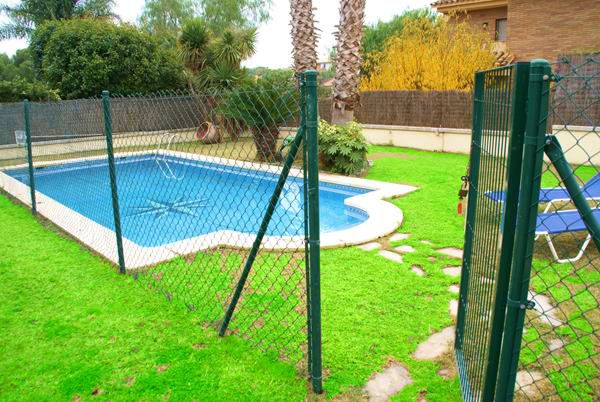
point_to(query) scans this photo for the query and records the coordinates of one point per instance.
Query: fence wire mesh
(194, 174)
(560, 349)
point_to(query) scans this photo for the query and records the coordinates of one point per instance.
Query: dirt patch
(162, 368)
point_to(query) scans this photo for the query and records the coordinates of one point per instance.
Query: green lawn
(72, 328)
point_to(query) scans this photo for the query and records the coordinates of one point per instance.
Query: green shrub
(81, 58)
(343, 149)
(19, 89)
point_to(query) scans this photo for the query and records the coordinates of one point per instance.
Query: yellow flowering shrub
(430, 55)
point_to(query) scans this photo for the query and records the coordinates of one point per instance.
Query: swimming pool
(171, 199)
(176, 203)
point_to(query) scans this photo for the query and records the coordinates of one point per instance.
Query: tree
(29, 14)
(19, 89)
(234, 46)
(348, 61)
(220, 14)
(215, 60)
(431, 55)
(194, 43)
(119, 58)
(17, 79)
(375, 35)
(262, 106)
(164, 18)
(8, 71)
(304, 38)
(17, 66)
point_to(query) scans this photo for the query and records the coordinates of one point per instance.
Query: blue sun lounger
(551, 223)
(583, 218)
(565, 221)
(591, 191)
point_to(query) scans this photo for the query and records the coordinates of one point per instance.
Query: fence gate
(528, 320)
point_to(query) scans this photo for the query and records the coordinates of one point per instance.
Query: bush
(19, 89)
(343, 149)
(81, 58)
(429, 55)
(262, 106)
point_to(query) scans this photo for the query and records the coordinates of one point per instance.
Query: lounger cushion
(562, 221)
(591, 189)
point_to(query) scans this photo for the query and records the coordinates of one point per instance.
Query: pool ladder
(160, 158)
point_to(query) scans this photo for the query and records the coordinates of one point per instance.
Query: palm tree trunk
(304, 38)
(346, 96)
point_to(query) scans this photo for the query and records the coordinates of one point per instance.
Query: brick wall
(547, 28)
(489, 16)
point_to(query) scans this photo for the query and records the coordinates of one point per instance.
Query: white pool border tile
(384, 217)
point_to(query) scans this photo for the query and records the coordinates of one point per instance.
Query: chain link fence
(197, 195)
(529, 314)
(560, 350)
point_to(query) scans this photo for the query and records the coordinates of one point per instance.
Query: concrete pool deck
(384, 217)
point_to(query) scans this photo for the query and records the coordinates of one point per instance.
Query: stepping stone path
(391, 256)
(452, 271)
(451, 252)
(399, 236)
(453, 308)
(388, 383)
(555, 344)
(546, 309)
(454, 289)
(426, 242)
(436, 345)
(370, 246)
(446, 373)
(405, 249)
(417, 270)
(526, 383)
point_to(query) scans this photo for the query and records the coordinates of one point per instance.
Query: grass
(75, 329)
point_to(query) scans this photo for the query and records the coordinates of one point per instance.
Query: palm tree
(304, 38)
(234, 46)
(194, 42)
(207, 54)
(346, 95)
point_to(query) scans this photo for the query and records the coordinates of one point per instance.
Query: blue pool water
(172, 199)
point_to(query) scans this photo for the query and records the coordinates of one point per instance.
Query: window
(501, 28)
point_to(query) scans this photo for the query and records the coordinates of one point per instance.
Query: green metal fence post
(113, 178)
(29, 156)
(314, 242)
(302, 82)
(557, 156)
(262, 230)
(518, 120)
(531, 174)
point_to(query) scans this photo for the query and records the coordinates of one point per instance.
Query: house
(530, 29)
